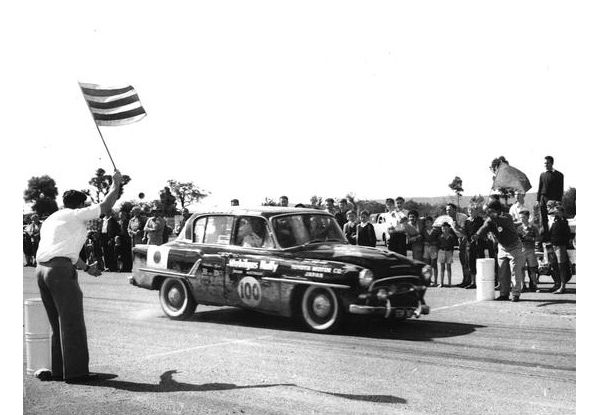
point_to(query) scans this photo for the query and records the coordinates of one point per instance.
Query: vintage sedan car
(283, 261)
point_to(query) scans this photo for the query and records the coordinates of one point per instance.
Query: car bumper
(388, 311)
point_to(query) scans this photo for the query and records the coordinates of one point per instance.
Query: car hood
(363, 256)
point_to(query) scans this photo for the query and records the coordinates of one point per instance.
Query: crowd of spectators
(481, 231)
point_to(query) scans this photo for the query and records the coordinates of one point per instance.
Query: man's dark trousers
(63, 300)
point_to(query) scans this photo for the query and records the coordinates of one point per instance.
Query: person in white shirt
(61, 238)
(517, 207)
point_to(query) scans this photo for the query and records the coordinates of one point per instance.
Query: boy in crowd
(560, 233)
(350, 227)
(430, 247)
(446, 243)
(365, 230)
(529, 235)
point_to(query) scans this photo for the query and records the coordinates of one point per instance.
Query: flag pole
(97, 128)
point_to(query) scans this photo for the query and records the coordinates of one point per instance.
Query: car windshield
(301, 229)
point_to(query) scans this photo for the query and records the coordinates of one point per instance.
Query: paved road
(466, 357)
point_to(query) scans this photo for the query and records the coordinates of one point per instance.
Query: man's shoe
(501, 298)
(560, 290)
(90, 377)
(515, 299)
(470, 286)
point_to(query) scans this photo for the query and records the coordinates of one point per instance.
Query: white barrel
(485, 269)
(485, 290)
(38, 343)
(485, 279)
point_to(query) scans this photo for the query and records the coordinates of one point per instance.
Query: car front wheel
(176, 299)
(321, 309)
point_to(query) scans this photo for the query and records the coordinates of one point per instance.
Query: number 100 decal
(249, 291)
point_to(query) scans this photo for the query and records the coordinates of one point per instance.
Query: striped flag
(112, 105)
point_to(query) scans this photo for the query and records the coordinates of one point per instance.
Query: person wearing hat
(510, 250)
(61, 239)
(560, 233)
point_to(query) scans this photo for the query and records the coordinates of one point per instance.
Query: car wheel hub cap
(175, 297)
(321, 306)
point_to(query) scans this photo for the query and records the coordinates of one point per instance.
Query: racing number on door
(249, 291)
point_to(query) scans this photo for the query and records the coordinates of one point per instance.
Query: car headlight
(427, 273)
(365, 277)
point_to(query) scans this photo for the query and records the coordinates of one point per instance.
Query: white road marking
(205, 346)
(453, 305)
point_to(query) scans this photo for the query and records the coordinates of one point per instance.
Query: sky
(259, 99)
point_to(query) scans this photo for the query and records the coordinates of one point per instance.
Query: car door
(212, 235)
(248, 264)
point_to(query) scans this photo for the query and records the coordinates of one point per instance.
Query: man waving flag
(113, 105)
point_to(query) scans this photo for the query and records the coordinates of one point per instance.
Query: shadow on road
(168, 384)
(548, 302)
(413, 330)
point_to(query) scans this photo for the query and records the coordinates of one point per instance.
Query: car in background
(285, 261)
(381, 227)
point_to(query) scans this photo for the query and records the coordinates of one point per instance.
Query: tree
(569, 202)
(186, 192)
(456, 185)
(101, 183)
(42, 192)
(316, 202)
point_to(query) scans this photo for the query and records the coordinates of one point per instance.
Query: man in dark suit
(551, 188)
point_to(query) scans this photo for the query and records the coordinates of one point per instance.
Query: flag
(113, 105)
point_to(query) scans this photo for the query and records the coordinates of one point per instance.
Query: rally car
(283, 261)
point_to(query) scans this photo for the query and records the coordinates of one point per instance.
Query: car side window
(252, 232)
(218, 230)
(199, 228)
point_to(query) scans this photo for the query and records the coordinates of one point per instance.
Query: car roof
(266, 211)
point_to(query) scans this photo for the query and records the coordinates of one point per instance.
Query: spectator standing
(431, 246)
(350, 227)
(110, 230)
(397, 218)
(283, 201)
(510, 250)
(551, 187)
(62, 238)
(33, 233)
(414, 235)
(365, 230)
(446, 243)
(560, 233)
(344, 207)
(529, 234)
(330, 207)
(154, 228)
(235, 202)
(517, 207)
(474, 249)
(135, 227)
(457, 223)
(123, 249)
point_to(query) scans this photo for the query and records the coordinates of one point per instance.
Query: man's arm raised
(113, 194)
